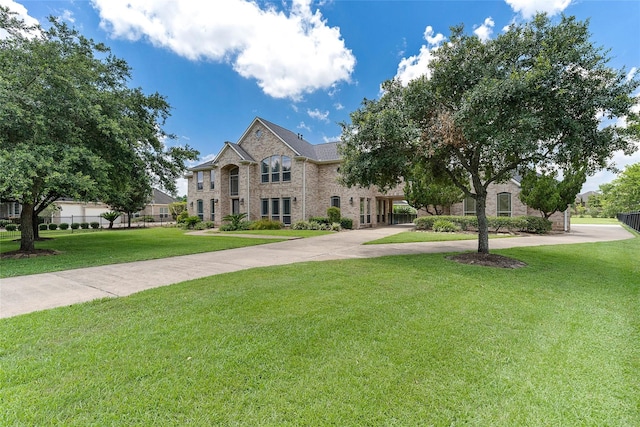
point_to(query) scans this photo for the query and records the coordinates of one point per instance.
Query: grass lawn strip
(114, 247)
(405, 340)
(428, 236)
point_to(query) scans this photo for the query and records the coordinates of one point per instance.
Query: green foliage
(265, 224)
(43, 227)
(445, 226)
(11, 227)
(91, 136)
(4, 222)
(177, 208)
(545, 193)
(75, 225)
(346, 223)
(537, 225)
(204, 225)
(315, 225)
(53, 226)
(529, 97)
(622, 195)
(182, 216)
(333, 214)
(84, 225)
(236, 222)
(110, 216)
(404, 210)
(191, 221)
(95, 225)
(64, 226)
(431, 190)
(320, 220)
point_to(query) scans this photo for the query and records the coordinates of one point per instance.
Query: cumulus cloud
(485, 30)
(288, 53)
(528, 8)
(418, 65)
(22, 13)
(319, 115)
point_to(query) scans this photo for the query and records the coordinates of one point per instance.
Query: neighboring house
(158, 207)
(583, 199)
(71, 210)
(272, 172)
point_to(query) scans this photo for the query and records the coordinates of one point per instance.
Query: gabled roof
(161, 198)
(295, 141)
(327, 152)
(244, 156)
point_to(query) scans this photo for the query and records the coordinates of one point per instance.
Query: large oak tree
(532, 98)
(70, 125)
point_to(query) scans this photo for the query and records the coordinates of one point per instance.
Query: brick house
(274, 173)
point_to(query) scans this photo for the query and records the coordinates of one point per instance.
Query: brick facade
(308, 193)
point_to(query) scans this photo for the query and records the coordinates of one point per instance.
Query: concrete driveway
(25, 294)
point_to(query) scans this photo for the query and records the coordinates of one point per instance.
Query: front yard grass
(116, 246)
(429, 236)
(589, 220)
(400, 340)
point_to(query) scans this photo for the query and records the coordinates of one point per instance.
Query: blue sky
(302, 64)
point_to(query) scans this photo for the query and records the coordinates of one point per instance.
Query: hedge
(528, 224)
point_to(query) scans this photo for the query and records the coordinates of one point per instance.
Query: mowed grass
(589, 220)
(429, 236)
(402, 340)
(117, 246)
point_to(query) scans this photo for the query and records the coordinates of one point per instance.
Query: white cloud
(288, 52)
(418, 65)
(22, 13)
(304, 126)
(620, 160)
(632, 73)
(338, 106)
(331, 138)
(67, 15)
(485, 30)
(319, 115)
(528, 8)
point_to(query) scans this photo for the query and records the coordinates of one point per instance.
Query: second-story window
(234, 181)
(200, 180)
(275, 169)
(212, 177)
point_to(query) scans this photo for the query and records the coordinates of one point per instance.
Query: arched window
(335, 201)
(504, 204)
(234, 181)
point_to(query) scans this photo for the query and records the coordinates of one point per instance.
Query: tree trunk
(36, 229)
(27, 236)
(483, 226)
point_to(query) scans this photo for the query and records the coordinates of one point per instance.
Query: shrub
(265, 224)
(11, 227)
(404, 210)
(75, 225)
(346, 223)
(191, 221)
(144, 218)
(300, 225)
(227, 227)
(53, 226)
(84, 225)
(95, 225)
(4, 223)
(64, 226)
(319, 220)
(445, 226)
(43, 227)
(333, 214)
(182, 217)
(425, 222)
(335, 226)
(536, 224)
(204, 225)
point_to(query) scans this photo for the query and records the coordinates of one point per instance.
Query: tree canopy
(548, 194)
(533, 98)
(70, 126)
(622, 195)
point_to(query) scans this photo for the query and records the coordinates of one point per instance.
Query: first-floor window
(286, 211)
(213, 209)
(200, 208)
(504, 204)
(164, 212)
(275, 209)
(361, 210)
(335, 201)
(469, 206)
(368, 211)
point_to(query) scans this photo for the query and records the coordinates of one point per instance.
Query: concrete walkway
(25, 294)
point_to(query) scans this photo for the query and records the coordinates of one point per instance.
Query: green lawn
(405, 340)
(88, 248)
(589, 220)
(428, 236)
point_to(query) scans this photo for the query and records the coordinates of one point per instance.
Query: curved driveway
(25, 294)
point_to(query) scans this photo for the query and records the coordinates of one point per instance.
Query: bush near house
(53, 226)
(64, 226)
(43, 227)
(95, 225)
(528, 224)
(445, 226)
(84, 225)
(265, 224)
(333, 214)
(11, 227)
(346, 223)
(75, 225)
